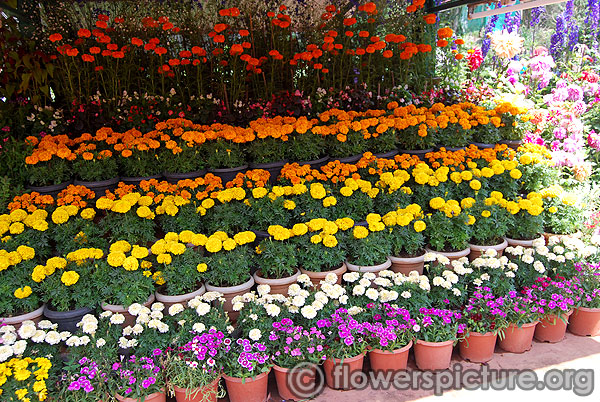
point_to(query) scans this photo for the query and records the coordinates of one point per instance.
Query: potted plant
(436, 330)
(49, 172)
(137, 379)
(85, 378)
(125, 277)
(417, 139)
(319, 254)
(266, 151)
(355, 200)
(276, 260)
(368, 248)
(558, 299)
(522, 315)
(390, 338)
(246, 371)
(563, 215)
(407, 239)
(138, 162)
(68, 287)
(97, 170)
(21, 301)
(32, 387)
(76, 231)
(585, 320)
(448, 229)
(296, 352)
(225, 159)
(486, 134)
(484, 318)
(267, 208)
(527, 221)
(181, 160)
(347, 144)
(491, 223)
(128, 218)
(346, 340)
(306, 148)
(181, 267)
(194, 369)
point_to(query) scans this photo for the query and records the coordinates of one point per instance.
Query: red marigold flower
(55, 37)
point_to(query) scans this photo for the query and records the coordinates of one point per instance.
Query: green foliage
(276, 259)
(371, 250)
(84, 293)
(305, 147)
(353, 143)
(77, 233)
(140, 164)
(406, 242)
(128, 226)
(317, 257)
(54, 171)
(119, 286)
(186, 219)
(186, 160)
(96, 169)
(183, 274)
(230, 268)
(224, 154)
(267, 150)
(13, 278)
(410, 139)
(447, 234)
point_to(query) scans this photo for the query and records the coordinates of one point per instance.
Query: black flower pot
(66, 320)
(52, 190)
(348, 159)
(387, 155)
(228, 174)
(174, 178)
(482, 145)
(316, 163)
(99, 187)
(420, 153)
(137, 180)
(514, 144)
(274, 169)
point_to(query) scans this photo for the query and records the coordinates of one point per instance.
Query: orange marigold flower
(430, 19)
(84, 33)
(55, 37)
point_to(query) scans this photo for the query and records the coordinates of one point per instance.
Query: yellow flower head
(22, 293)
(69, 278)
(360, 232)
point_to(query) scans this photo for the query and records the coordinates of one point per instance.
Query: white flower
(369, 275)
(19, 347)
(456, 292)
(128, 330)
(442, 259)
(237, 306)
(73, 341)
(253, 317)
(39, 336)
(364, 282)
(142, 319)
(203, 309)
(429, 256)
(490, 252)
(163, 328)
(540, 241)
(317, 305)
(528, 259)
(406, 294)
(157, 314)
(371, 294)
(542, 250)
(263, 289)
(100, 342)
(558, 249)
(272, 310)
(117, 319)
(9, 338)
(477, 282)
(89, 328)
(294, 289)
(199, 327)
(175, 309)
(88, 318)
(308, 312)
(134, 309)
(331, 278)
(509, 274)
(195, 302)
(27, 330)
(132, 343)
(447, 285)
(351, 277)
(384, 282)
(386, 273)
(416, 327)
(254, 334)
(539, 267)
(321, 297)
(304, 279)
(343, 299)
(358, 290)
(46, 324)
(386, 296)
(355, 310)
(137, 329)
(53, 338)
(5, 352)
(105, 314)
(230, 329)
(298, 301)
(438, 281)
(485, 277)
(64, 335)
(569, 255)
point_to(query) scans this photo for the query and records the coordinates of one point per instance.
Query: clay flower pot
(168, 301)
(478, 251)
(433, 355)
(278, 286)
(385, 361)
(451, 255)
(522, 243)
(339, 371)
(369, 268)
(518, 340)
(247, 389)
(129, 319)
(208, 393)
(317, 277)
(405, 265)
(585, 321)
(229, 292)
(477, 347)
(297, 383)
(17, 320)
(155, 397)
(552, 329)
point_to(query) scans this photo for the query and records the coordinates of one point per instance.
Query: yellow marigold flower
(419, 226)
(553, 210)
(330, 241)
(176, 248)
(146, 264)
(144, 212)
(390, 218)
(104, 203)
(145, 201)
(315, 239)
(466, 175)
(437, 203)
(372, 193)
(317, 191)
(456, 177)
(139, 252)
(213, 244)
(69, 278)
(116, 258)
(346, 191)
(199, 239)
(17, 215)
(289, 204)
(316, 224)
(229, 244)
(26, 252)
(16, 228)
(171, 209)
(158, 278)
(131, 263)
(88, 213)
(525, 159)
(299, 229)
(121, 206)
(471, 220)
(515, 174)
(221, 235)
(259, 192)
(186, 236)
(360, 232)
(202, 267)
(39, 273)
(159, 247)
(475, 184)
(22, 293)
(344, 223)
(485, 213)
(171, 236)
(278, 191)
(569, 199)
(120, 245)
(164, 259)
(208, 203)
(329, 201)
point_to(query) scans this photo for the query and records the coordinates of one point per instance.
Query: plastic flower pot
(477, 347)
(296, 383)
(451, 255)
(228, 174)
(168, 301)
(316, 163)
(405, 265)
(229, 292)
(155, 397)
(247, 389)
(278, 286)
(552, 329)
(274, 169)
(52, 190)
(369, 268)
(208, 393)
(386, 361)
(518, 340)
(174, 178)
(66, 320)
(129, 319)
(17, 320)
(585, 321)
(433, 355)
(317, 277)
(478, 251)
(338, 372)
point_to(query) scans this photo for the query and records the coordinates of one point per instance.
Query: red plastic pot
(338, 372)
(518, 340)
(433, 355)
(477, 347)
(385, 361)
(585, 321)
(247, 389)
(552, 329)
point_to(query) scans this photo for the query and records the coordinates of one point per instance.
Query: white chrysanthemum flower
(163, 328)
(263, 289)
(358, 290)
(137, 329)
(558, 249)
(89, 328)
(9, 338)
(203, 309)
(298, 301)
(542, 250)
(308, 312)
(317, 305)
(569, 255)
(509, 274)
(406, 294)
(134, 309)
(46, 324)
(293, 309)
(425, 285)
(343, 299)
(89, 318)
(106, 314)
(157, 314)
(304, 279)
(485, 277)
(210, 297)
(143, 319)
(438, 281)
(387, 273)
(351, 277)
(199, 327)
(72, 341)
(490, 252)
(19, 347)
(321, 297)
(100, 342)
(447, 285)
(294, 289)
(528, 259)
(84, 340)
(429, 256)
(369, 275)
(372, 294)
(540, 241)
(6, 352)
(237, 306)
(254, 334)
(272, 310)
(53, 338)
(27, 330)
(127, 331)
(384, 282)
(230, 329)
(64, 335)
(456, 292)
(364, 282)
(442, 259)
(175, 309)
(477, 282)
(117, 319)
(39, 336)
(354, 310)
(195, 302)
(132, 343)
(253, 317)
(539, 267)
(158, 306)
(331, 278)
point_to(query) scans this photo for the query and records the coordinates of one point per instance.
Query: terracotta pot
(247, 389)
(208, 393)
(338, 371)
(433, 355)
(274, 169)
(17, 320)
(522, 243)
(405, 265)
(477, 347)
(478, 251)
(66, 320)
(552, 329)
(451, 255)
(369, 268)
(316, 163)
(278, 286)
(585, 321)
(317, 277)
(229, 292)
(518, 340)
(129, 319)
(228, 174)
(155, 397)
(576, 235)
(168, 301)
(385, 361)
(296, 384)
